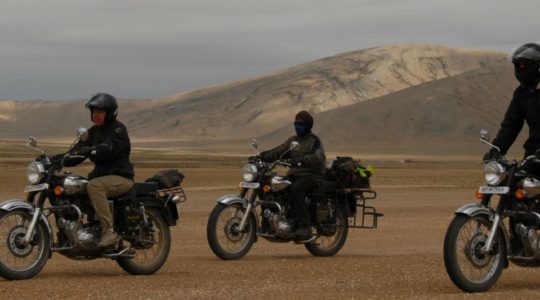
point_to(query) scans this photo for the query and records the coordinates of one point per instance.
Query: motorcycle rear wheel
(224, 238)
(467, 266)
(149, 260)
(19, 261)
(329, 245)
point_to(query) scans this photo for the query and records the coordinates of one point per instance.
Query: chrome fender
(232, 199)
(19, 204)
(475, 209)
(236, 199)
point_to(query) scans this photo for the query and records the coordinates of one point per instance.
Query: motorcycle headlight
(249, 172)
(494, 173)
(35, 172)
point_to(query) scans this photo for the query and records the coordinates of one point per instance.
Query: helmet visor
(530, 51)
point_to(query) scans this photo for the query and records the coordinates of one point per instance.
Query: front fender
(473, 209)
(19, 204)
(232, 199)
(476, 209)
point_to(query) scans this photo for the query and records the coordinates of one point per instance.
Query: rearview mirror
(484, 135)
(254, 144)
(32, 142)
(82, 134)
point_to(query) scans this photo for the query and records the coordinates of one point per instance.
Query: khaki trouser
(101, 188)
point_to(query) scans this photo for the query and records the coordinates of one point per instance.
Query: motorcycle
(481, 240)
(263, 209)
(141, 218)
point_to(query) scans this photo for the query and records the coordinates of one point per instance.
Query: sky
(72, 49)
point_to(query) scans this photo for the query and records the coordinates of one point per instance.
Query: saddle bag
(349, 173)
(167, 179)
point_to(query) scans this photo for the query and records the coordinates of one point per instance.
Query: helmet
(104, 102)
(526, 60)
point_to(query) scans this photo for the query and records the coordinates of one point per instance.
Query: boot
(108, 236)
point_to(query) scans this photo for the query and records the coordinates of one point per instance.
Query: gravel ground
(402, 259)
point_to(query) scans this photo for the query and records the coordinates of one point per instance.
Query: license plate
(494, 189)
(36, 187)
(249, 185)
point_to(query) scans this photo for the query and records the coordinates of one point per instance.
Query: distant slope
(439, 116)
(417, 94)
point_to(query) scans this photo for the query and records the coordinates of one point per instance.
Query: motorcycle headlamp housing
(494, 173)
(35, 172)
(249, 172)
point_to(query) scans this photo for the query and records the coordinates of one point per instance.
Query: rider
(308, 165)
(108, 147)
(525, 104)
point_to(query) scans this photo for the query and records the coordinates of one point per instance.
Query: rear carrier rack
(175, 194)
(364, 216)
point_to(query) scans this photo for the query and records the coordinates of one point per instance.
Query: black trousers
(301, 187)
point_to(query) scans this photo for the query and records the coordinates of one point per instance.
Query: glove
(296, 162)
(253, 158)
(492, 154)
(87, 151)
(264, 156)
(57, 158)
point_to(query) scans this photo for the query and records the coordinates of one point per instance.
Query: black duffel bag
(167, 178)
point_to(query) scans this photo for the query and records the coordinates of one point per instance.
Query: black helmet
(105, 102)
(526, 60)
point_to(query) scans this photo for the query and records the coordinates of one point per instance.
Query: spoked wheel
(225, 238)
(18, 260)
(152, 249)
(469, 267)
(332, 237)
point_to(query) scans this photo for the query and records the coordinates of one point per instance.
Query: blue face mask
(300, 128)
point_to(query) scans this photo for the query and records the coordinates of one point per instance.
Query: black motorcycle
(263, 209)
(481, 240)
(141, 218)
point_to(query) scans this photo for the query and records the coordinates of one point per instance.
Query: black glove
(296, 162)
(264, 156)
(253, 158)
(87, 151)
(492, 154)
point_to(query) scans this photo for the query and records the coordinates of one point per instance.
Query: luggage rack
(369, 213)
(175, 194)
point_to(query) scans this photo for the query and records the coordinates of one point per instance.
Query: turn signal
(520, 194)
(266, 188)
(58, 191)
(479, 195)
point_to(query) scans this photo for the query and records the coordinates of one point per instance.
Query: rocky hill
(402, 82)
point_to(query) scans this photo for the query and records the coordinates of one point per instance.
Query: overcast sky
(71, 49)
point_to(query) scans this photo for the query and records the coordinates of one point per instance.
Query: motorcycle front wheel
(225, 238)
(152, 250)
(332, 237)
(17, 260)
(470, 268)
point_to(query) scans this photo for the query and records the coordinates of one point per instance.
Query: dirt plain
(401, 259)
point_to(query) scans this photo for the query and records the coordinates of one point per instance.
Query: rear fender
(19, 204)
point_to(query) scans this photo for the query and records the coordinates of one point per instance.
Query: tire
(330, 244)
(19, 262)
(149, 259)
(224, 241)
(469, 269)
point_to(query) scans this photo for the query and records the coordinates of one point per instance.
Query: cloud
(138, 48)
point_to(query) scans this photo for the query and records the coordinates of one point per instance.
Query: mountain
(413, 91)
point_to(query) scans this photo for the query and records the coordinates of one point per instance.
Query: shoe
(303, 234)
(107, 238)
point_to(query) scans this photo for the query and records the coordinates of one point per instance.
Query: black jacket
(111, 148)
(524, 107)
(310, 152)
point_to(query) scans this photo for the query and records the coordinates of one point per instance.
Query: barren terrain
(401, 259)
